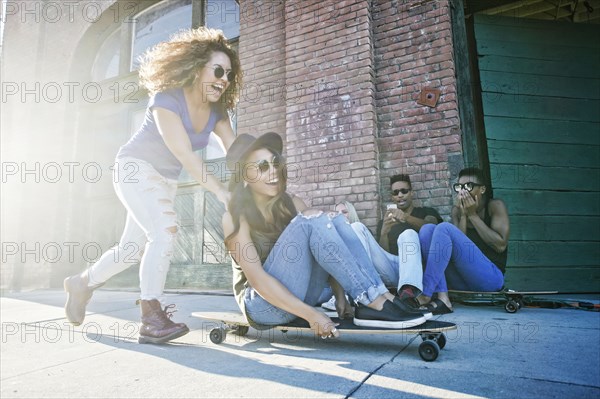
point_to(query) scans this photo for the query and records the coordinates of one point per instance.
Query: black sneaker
(407, 305)
(410, 301)
(389, 317)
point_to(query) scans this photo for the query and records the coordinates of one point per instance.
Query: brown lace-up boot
(78, 296)
(157, 326)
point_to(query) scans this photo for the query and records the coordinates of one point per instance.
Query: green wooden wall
(540, 84)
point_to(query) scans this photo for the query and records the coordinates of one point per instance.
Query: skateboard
(514, 299)
(431, 332)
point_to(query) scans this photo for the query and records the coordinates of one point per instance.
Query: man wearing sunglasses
(397, 233)
(469, 253)
(403, 215)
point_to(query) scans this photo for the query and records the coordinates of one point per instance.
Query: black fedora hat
(243, 145)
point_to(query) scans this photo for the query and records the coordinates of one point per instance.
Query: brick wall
(353, 72)
(330, 113)
(413, 51)
(262, 55)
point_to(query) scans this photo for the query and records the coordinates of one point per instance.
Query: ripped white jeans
(150, 229)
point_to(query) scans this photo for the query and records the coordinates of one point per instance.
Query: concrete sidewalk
(535, 353)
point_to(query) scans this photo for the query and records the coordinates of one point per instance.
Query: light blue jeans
(453, 260)
(395, 270)
(307, 252)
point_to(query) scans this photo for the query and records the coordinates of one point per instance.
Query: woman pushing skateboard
(193, 80)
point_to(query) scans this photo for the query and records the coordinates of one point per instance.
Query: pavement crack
(373, 372)
(574, 384)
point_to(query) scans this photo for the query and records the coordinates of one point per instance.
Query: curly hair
(175, 63)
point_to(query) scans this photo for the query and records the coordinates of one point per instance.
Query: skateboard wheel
(217, 335)
(511, 306)
(241, 330)
(520, 303)
(429, 350)
(441, 341)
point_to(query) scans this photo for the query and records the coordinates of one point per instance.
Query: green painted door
(540, 84)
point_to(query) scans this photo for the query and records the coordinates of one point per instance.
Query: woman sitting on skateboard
(469, 254)
(284, 255)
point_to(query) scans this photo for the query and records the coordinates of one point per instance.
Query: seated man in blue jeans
(469, 254)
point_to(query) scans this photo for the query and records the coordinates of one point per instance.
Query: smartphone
(391, 206)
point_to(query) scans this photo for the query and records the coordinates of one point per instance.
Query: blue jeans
(306, 253)
(453, 260)
(395, 270)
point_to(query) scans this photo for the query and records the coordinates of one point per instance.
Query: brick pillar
(413, 51)
(330, 105)
(262, 54)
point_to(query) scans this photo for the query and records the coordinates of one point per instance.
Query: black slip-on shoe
(389, 317)
(437, 307)
(406, 306)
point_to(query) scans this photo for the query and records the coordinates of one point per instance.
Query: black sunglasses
(469, 186)
(402, 190)
(263, 165)
(219, 72)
